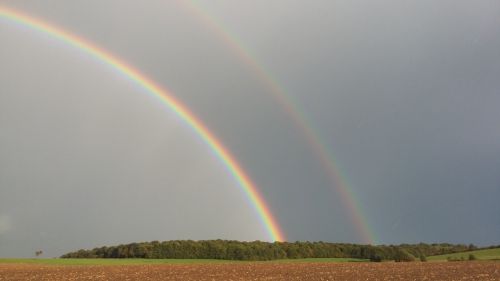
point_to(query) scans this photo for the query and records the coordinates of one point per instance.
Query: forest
(258, 250)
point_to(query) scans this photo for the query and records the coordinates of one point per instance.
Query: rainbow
(320, 150)
(244, 182)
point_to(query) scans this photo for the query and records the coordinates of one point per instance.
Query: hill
(258, 250)
(483, 254)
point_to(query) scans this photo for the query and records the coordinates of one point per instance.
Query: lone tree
(38, 253)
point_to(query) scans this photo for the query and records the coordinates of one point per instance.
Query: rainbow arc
(295, 115)
(167, 98)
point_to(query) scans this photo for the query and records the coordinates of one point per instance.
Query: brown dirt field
(259, 271)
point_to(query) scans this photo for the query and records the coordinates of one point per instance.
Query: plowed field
(310, 271)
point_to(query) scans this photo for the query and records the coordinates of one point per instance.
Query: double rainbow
(295, 114)
(166, 97)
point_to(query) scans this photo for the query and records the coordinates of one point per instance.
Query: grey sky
(404, 93)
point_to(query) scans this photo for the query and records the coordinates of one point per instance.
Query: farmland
(297, 270)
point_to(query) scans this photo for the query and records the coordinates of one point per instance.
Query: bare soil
(310, 271)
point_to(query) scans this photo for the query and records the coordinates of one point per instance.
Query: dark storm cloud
(404, 93)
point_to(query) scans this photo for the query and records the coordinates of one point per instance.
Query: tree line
(258, 250)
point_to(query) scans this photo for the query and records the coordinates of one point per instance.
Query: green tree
(401, 255)
(423, 258)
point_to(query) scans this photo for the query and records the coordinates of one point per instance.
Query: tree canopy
(258, 250)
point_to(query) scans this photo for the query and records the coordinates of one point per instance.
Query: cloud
(5, 224)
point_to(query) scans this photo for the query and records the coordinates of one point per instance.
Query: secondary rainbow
(320, 150)
(269, 222)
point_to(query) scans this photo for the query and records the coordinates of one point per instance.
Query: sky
(404, 94)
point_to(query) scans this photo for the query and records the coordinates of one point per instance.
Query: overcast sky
(405, 94)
